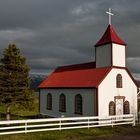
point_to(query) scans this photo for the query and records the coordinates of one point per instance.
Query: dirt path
(126, 137)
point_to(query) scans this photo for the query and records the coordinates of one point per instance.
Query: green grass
(77, 134)
(19, 112)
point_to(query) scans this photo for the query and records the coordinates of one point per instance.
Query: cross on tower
(109, 15)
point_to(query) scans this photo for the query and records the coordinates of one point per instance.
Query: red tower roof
(110, 36)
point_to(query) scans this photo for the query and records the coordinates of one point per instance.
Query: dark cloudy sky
(52, 33)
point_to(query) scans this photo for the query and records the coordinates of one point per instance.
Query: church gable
(125, 74)
(117, 86)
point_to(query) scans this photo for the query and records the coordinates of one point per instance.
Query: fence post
(60, 125)
(134, 121)
(25, 126)
(88, 123)
(112, 121)
(139, 117)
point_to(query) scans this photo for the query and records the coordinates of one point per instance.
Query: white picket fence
(38, 125)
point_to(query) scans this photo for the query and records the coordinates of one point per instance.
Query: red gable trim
(133, 79)
(125, 68)
(105, 75)
(110, 36)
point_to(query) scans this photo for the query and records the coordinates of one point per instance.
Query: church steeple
(110, 36)
(110, 50)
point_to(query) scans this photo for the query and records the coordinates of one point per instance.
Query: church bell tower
(110, 50)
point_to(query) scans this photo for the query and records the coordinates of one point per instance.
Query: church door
(119, 105)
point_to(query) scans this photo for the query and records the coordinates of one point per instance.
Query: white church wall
(107, 91)
(118, 55)
(88, 96)
(103, 56)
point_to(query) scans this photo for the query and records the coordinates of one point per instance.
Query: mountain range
(36, 79)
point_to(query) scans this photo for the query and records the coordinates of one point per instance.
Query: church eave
(68, 87)
(110, 42)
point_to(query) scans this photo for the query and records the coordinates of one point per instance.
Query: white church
(101, 88)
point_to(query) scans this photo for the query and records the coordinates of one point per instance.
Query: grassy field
(20, 113)
(78, 134)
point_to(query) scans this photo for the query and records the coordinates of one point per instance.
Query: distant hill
(137, 78)
(36, 79)
(138, 82)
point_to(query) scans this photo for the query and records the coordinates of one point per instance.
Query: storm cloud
(52, 33)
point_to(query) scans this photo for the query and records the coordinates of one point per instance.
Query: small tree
(14, 80)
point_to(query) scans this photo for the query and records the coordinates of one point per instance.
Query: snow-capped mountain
(36, 79)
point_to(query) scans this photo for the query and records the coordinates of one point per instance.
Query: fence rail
(38, 125)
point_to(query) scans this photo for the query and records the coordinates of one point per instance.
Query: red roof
(110, 36)
(75, 76)
(89, 65)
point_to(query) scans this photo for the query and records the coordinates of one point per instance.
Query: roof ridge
(80, 66)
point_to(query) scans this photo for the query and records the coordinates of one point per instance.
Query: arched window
(78, 104)
(62, 103)
(49, 101)
(119, 81)
(126, 107)
(111, 108)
